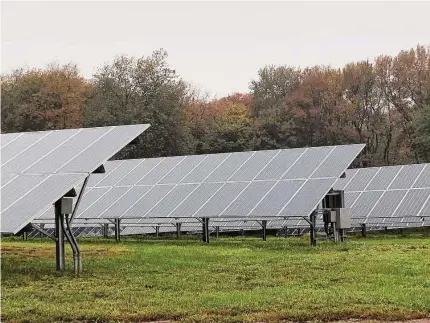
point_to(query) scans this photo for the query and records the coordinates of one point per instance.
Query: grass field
(229, 280)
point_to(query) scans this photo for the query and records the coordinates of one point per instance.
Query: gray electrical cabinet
(343, 218)
(67, 205)
(332, 216)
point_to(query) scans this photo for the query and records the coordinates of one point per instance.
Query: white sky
(217, 46)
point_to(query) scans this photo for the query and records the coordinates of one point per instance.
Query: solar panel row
(387, 195)
(287, 182)
(38, 168)
(393, 196)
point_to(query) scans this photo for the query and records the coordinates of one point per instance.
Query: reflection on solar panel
(397, 196)
(38, 168)
(256, 184)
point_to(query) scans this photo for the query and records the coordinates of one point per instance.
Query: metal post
(217, 231)
(363, 230)
(335, 232)
(286, 232)
(242, 232)
(264, 225)
(105, 230)
(60, 256)
(25, 235)
(42, 226)
(342, 235)
(205, 222)
(312, 232)
(178, 230)
(117, 230)
(157, 231)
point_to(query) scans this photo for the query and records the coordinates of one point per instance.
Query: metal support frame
(42, 227)
(105, 229)
(117, 223)
(78, 201)
(242, 232)
(157, 231)
(312, 231)
(42, 231)
(60, 257)
(264, 226)
(206, 233)
(25, 235)
(178, 229)
(217, 231)
(285, 232)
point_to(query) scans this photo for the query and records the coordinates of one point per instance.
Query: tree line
(384, 103)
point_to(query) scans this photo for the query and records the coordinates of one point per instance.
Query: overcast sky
(218, 46)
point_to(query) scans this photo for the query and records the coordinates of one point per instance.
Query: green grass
(229, 280)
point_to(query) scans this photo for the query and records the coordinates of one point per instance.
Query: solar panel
(395, 196)
(64, 151)
(254, 184)
(38, 168)
(30, 195)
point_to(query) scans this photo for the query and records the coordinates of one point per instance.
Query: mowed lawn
(229, 280)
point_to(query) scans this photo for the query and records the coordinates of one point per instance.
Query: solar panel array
(365, 191)
(391, 196)
(38, 168)
(287, 182)
(388, 196)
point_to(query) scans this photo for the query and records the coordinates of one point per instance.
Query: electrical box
(329, 216)
(343, 218)
(67, 205)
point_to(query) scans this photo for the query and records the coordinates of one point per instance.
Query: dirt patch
(28, 252)
(43, 252)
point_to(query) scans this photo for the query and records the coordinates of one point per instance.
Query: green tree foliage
(422, 133)
(269, 91)
(43, 99)
(142, 90)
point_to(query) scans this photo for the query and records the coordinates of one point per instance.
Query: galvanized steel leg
(205, 222)
(342, 235)
(363, 230)
(42, 226)
(157, 231)
(25, 236)
(178, 230)
(312, 226)
(60, 256)
(217, 231)
(105, 230)
(335, 233)
(264, 225)
(117, 230)
(285, 232)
